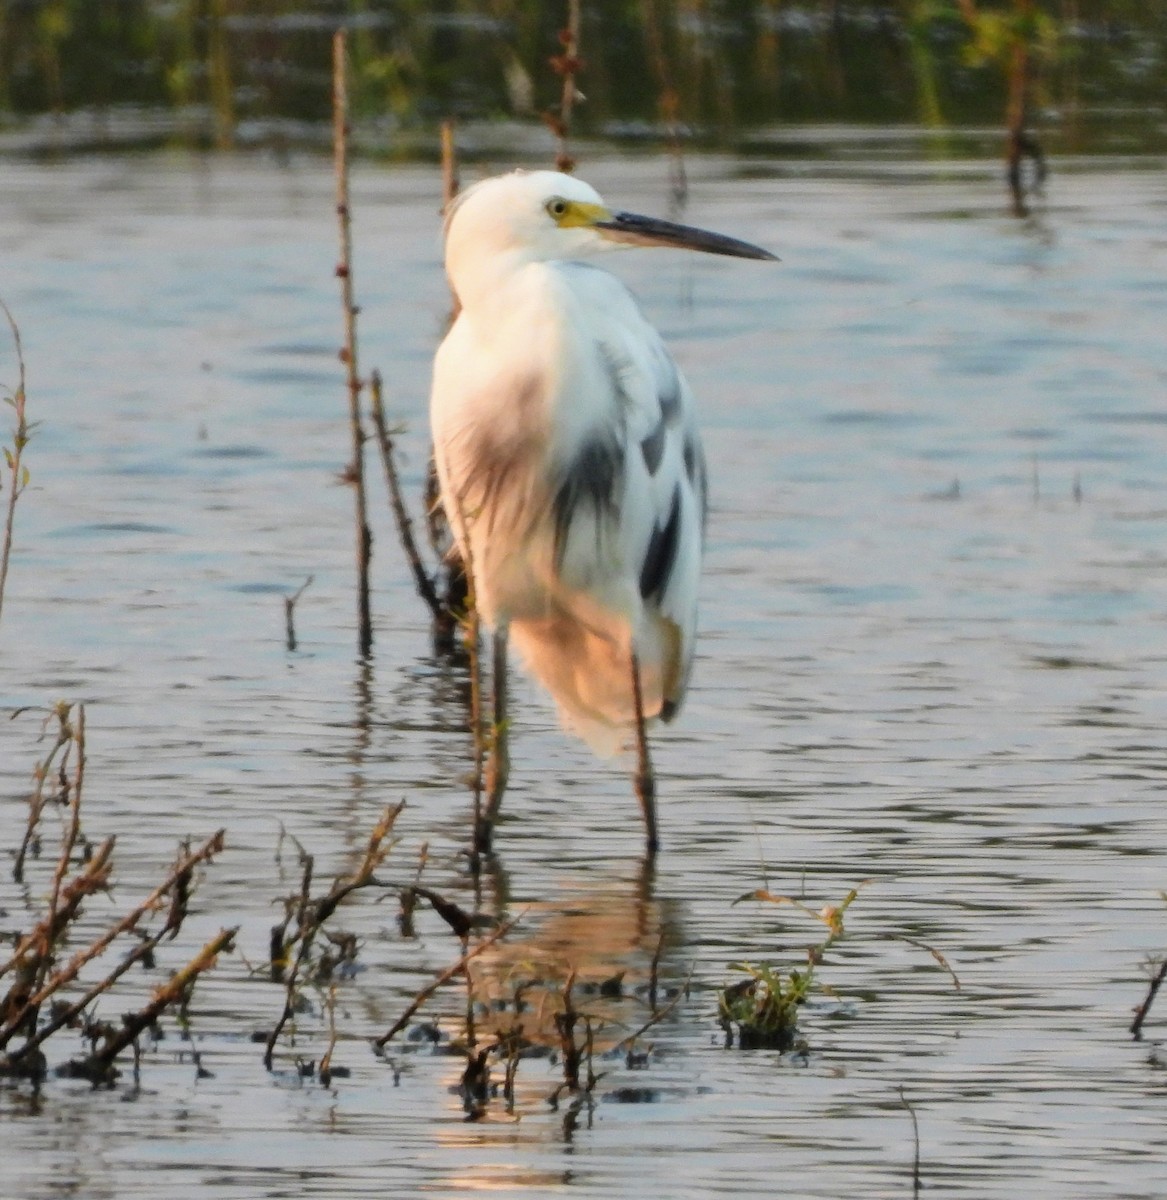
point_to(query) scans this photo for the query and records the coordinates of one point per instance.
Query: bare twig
(97, 1066)
(41, 775)
(13, 456)
(916, 1140)
(566, 64)
(290, 603)
(668, 103)
(899, 937)
(28, 959)
(180, 871)
(472, 635)
(324, 1071)
(312, 914)
(1145, 1007)
(450, 183)
(72, 830)
(355, 474)
(565, 1023)
(421, 577)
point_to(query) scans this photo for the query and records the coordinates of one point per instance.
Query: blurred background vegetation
(221, 72)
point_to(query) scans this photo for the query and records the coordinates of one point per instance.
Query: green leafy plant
(762, 1009)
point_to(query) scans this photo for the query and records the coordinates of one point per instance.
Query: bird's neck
(486, 283)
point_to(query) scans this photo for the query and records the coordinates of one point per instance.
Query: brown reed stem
(16, 468)
(916, 1142)
(355, 474)
(181, 869)
(290, 603)
(312, 914)
(1145, 1007)
(93, 878)
(29, 958)
(421, 577)
(450, 181)
(36, 802)
(450, 188)
(324, 1072)
(567, 64)
(472, 633)
(668, 104)
(98, 1064)
(72, 830)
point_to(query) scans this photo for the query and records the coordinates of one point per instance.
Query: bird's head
(542, 216)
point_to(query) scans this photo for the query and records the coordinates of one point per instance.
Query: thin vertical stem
(219, 73)
(356, 471)
(1145, 1007)
(450, 182)
(498, 769)
(668, 104)
(421, 577)
(19, 440)
(567, 63)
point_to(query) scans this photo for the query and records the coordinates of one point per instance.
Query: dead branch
(1144, 1008)
(13, 457)
(312, 914)
(41, 775)
(424, 582)
(290, 603)
(355, 474)
(98, 1065)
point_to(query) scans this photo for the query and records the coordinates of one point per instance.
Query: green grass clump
(761, 1011)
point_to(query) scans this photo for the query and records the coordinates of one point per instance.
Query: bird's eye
(557, 207)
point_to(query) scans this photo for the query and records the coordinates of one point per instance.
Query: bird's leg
(499, 766)
(643, 781)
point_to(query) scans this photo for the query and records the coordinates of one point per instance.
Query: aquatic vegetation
(1014, 39)
(294, 960)
(762, 1010)
(42, 993)
(231, 70)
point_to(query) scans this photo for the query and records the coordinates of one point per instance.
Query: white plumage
(570, 463)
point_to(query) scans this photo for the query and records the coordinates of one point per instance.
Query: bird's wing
(629, 486)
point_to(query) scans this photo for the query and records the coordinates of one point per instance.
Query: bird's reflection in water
(576, 980)
(607, 940)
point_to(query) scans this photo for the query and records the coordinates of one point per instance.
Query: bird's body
(570, 463)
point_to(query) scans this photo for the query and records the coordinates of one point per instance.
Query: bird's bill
(631, 229)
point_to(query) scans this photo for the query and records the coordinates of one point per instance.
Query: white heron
(570, 463)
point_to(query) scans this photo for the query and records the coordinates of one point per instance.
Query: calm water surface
(933, 655)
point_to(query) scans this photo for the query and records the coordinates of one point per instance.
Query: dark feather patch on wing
(594, 477)
(653, 448)
(695, 469)
(661, 554)
(669, 398)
